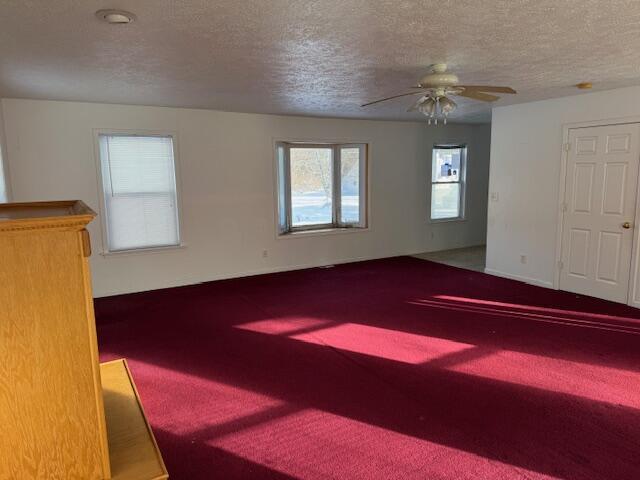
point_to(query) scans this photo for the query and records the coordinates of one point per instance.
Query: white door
(600, 206)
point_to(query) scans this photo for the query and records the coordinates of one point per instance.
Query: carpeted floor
(397, 368)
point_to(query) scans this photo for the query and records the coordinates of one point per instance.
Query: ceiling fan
(435, 90)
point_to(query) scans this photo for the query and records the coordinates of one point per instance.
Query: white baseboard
(520, 278)
(187, 281)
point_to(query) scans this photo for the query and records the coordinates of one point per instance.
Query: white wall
(226, 163)
(526, 153)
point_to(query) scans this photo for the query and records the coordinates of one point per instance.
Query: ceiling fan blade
(415, 106)
(389, 98)
(487, 88)
(483, 97)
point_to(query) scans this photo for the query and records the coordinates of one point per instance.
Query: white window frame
(4, 175)
(283, 189)
(4, 162)
(97, 133)
(462, 181)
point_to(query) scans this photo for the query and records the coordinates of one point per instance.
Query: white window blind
(140, 197)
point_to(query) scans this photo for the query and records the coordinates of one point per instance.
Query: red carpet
(397, 368)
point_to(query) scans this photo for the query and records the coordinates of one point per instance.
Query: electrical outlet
(265, 253)
(494, 196)
(523, 259)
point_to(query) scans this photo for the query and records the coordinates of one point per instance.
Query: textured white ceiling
(320, 58)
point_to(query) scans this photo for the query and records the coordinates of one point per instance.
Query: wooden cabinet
(52, 410)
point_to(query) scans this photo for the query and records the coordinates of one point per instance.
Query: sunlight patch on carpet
(317, 444)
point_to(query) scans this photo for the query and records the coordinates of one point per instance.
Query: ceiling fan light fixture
(428, 107)
(437, 108)
(447, 105)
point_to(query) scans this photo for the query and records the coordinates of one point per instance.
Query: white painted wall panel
(526, 150)
(227, 186)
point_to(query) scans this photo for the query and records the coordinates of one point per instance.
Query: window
(447, 182)
(321, 186)
(139, 191)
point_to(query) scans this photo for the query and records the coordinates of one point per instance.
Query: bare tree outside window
(320, 186)
(311, 185)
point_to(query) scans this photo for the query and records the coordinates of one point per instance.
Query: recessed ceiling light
(115, 17)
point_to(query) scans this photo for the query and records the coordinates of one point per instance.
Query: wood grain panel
(50, 395)
(132, 446)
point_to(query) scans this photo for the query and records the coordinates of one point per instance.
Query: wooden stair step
(133, 451)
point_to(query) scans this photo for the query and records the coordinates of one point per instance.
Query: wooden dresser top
(36, 215)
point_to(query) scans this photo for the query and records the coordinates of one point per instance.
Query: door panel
(613, 194)
(579, 252)
(600, 193)
(609, 246)
(618, 143)
(586, 145)
(583, 192)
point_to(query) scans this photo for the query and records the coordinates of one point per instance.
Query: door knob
(626, 225)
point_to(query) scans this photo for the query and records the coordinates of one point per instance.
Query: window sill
(322, 232)
(137, 251)
(447, 220)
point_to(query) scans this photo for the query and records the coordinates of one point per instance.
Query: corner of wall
(5, 180)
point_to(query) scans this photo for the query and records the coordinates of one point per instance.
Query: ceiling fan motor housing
(439, 80)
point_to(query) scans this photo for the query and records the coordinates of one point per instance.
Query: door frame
(566, 127)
